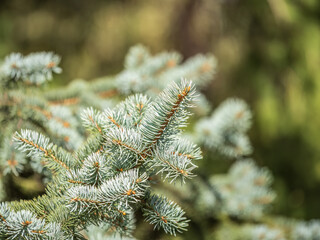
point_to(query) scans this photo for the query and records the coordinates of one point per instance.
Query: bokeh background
(268, 53)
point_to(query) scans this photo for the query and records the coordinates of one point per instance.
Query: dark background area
(268, 53)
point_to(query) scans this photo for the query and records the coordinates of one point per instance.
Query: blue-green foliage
(35, 68)
(114, 178)
(97, 188)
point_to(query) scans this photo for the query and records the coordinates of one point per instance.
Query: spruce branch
(172, 164)
(226, 129)
(245, 190)
(35, 68)
(136, 56)
(167, 114)
(109, 177)
(37, 145)
(164, 214)
(306, 230)
(103, 181)
(92, 119)
(121, 142)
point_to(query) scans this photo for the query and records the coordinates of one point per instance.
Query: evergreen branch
(185, 148)
(32, 69)
(164, 214)
(4, 212)
(92, 119)
(306, 230)
(127, 187)
(172, 165)
(245, 190)
(111, 117)
(200, 68)
(32, 142)
(36, 144)
(103, 182)
(95, 170)
(136, 107)
(125, 139)
(75, 177)
(82, 199)
(226, 129)
(136, 56)
(49, 115)
(164, 62)
(164, 111)
(24, 224)
(109, 176)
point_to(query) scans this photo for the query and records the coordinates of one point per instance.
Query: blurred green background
(268, 53)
